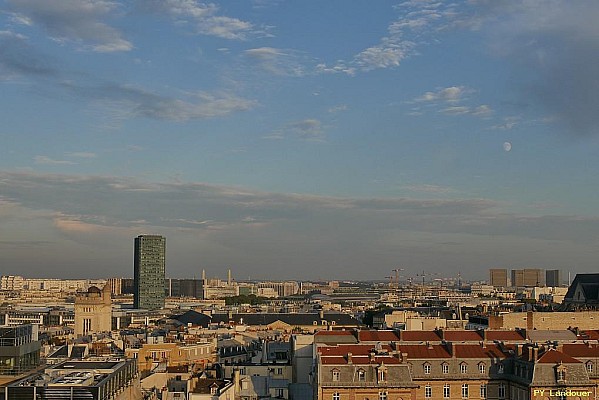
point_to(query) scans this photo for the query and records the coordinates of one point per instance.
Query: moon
(507, 146)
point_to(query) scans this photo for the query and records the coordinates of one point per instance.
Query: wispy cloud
(204, 18)
(18, 59)
(82, 22)
(82, 154)
(138, 102)
(307, 129)
(277, 61)
(418, 22)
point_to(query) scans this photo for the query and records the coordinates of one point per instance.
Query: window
(561, 374)
(427, 368)
(483, 391)
(500, 368)
(336, 396)
(279, 371)
(590, 367)
(501, 391)
(463, 368)
(361, 375)
(280, 393)
(336, 375)
(445, 368)
(382, 374)
(482, 368)
(428, 391)
(465, 391)
(213, 389)
(446, 391)
(382, 395)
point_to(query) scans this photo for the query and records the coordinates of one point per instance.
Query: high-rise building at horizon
(498, 277)
(553, 277)
(149, 269)
(528, 277)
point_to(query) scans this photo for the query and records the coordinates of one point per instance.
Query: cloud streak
(265, 229)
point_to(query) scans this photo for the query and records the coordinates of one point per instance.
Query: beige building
(93, 311)
(173, 355)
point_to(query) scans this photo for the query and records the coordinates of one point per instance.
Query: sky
(299, 139)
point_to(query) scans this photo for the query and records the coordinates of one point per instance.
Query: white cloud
(44, 160)
(451, 94)
(204, 17)
(78, 21)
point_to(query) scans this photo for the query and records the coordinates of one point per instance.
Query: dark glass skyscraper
(149, 271)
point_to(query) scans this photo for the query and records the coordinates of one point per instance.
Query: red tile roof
(581, 350)
(420, 336)
(377, 336)
(360, 360)
(477, 351)
(424, 351)
(590, 334)
(333, 333)
(554, 357)
(462, 336)
(355, 349)
(504, 336)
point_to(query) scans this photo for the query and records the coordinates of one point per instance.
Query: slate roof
(193, 317)
(543, 336)
(204, 385)
(589, 284)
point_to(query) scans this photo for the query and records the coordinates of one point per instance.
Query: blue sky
(299, 139)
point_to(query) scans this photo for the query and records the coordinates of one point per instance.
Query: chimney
(372, 356)
(321, 314)
(230, 314)
(483, 333)
(450, 348)
(349, 360)
(535, 353)
(519, 350)
(483, 344)
(404, 357)
(429, 345)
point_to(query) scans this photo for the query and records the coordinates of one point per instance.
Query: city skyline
(299, 140)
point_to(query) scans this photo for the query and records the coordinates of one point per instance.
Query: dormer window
(427, 368)
(500, 368)
(589, 366)
(445, 368)
(560, 372)
(213, 389)
(463, 368)
(482, 368)
(381, 373)
(335, 375)
(361, 375)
